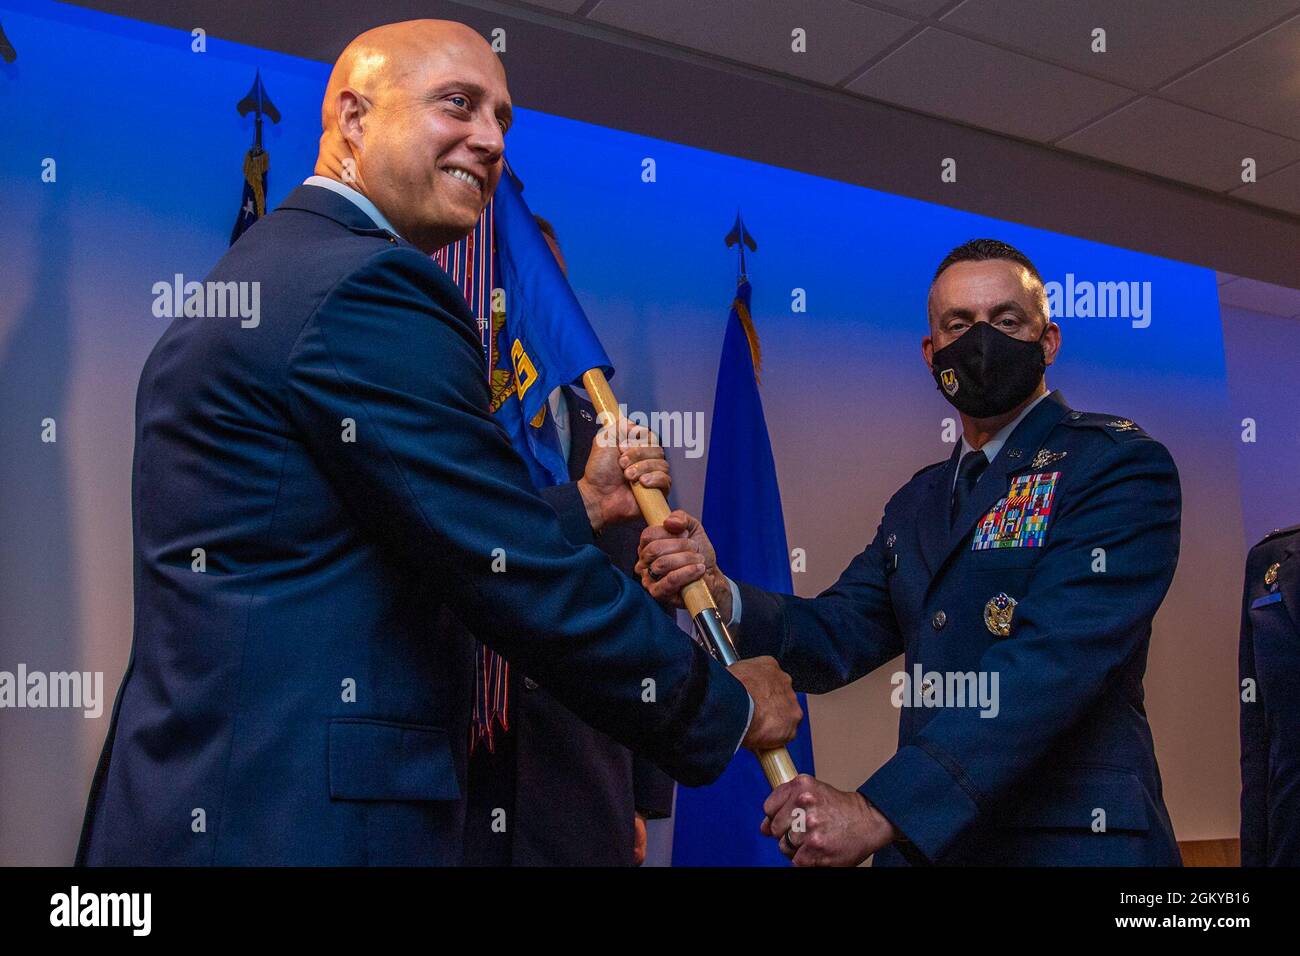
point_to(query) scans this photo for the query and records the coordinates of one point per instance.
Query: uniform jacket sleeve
(1254, 744)
(439, 485)
(568, 504)
(833, 639)
(1072, 631)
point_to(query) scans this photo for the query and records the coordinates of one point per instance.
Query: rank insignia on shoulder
(1045, 458)
(1020, 519)
(1122, 425)
(997, 614)
(1270, 576)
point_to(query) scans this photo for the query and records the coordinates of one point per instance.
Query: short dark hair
(547, 229)
(983, 250)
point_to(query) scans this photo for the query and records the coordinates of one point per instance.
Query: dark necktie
(972, 466)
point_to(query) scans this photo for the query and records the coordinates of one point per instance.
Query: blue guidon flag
(535, 339)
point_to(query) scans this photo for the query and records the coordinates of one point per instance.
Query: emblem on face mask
(948, 378)
(997, 614)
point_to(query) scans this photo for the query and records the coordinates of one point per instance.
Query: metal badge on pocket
(997, 614)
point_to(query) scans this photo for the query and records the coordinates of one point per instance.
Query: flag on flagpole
(252, 204)
(536, 338)
(717, 825)
(536, 335)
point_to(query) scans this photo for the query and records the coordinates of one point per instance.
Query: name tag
(1020, 519)
(1266, 600)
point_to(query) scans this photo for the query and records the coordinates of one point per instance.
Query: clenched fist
(621, 456)
(817, 825)
(776, 708)
(674, 554)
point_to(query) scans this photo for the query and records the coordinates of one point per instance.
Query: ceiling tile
(1258, 83)
(1147, 41)
(915, 8)
(1260, 297)
(560, 6)
(1180, 143)
(1280, 190)
(969, 81)
(841, 35)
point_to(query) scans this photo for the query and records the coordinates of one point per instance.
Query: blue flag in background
(718, 825)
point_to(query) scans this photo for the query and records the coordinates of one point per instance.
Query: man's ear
(927, 352)
(351, 110)
(1051, 342)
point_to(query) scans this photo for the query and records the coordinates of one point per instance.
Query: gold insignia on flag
(503, 379)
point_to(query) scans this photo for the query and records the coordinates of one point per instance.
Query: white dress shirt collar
(560, 415)
(994, 444)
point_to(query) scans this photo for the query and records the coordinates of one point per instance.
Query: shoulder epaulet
(937, 464)
(1116, 426)
(1278, 533)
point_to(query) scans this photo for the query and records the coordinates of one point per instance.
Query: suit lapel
(1016, 455)
(932, 520)
(582, 431)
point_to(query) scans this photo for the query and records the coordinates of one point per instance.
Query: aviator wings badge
(1045, 458)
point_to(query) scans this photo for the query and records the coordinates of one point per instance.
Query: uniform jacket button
(939, 620)
(530, 684)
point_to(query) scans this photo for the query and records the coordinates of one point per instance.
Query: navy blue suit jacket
(305, 698)
(1270, 719)
(1070, 736)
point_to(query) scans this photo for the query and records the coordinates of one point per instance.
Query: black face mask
(985, 372)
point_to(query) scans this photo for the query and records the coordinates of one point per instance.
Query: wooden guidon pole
(777, 765)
